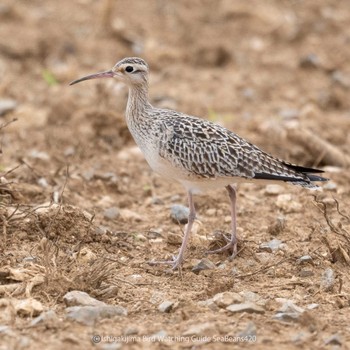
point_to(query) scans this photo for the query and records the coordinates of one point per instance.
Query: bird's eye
(129, 69)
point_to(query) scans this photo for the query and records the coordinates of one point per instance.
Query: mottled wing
(207, 150)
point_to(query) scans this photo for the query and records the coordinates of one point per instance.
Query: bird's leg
(176, 262)
(232, 244)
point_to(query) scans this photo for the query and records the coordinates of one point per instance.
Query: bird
(197, 153)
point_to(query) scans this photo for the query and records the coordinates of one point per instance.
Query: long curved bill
(106, 74)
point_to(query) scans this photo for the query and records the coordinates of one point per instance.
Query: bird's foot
(231, 245)
(175, 262)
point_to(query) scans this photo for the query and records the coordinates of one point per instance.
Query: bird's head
(133, 71)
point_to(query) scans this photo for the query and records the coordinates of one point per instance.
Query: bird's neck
(137, 101)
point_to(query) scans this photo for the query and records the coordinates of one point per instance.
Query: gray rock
(209, 303)
(304, 259)
(327, 279)
(28, 307)
(245, 307)
(341, 79)
(166, 306)
(204, 264)
(310, 61)
(271, 246)
(227, 298)
(49, 318)
(89, 315)
(111, 213)
(286, 316)
(249, 331)
(288, 113)
(7, 105)
(288, 312)
(330, 186)
(78, 298)
(179, 213)
(334, 339)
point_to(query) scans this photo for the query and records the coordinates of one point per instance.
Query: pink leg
(232, 244)
(176, 262)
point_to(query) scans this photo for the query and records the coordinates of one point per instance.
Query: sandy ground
(81, 210)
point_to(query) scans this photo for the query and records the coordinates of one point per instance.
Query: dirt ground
(81, 209)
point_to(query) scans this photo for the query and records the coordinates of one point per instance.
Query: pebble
(227, 298)
(273, 189)
(334, 340)
(304, 259)
(78, 298)
(288, 312)
(278, 226)
(179, 213)
(327, 279)
(198, 329)
(39, 155)
(209, 303)
(166, 306)
(310, 61)
(127, 215)
(341, 78)
(249, 331)
(330, 186)
(28, 307)
(204, 264)
(252, 297)
(246, 307)
(287, 204)
(289, 113)
(89, 315)
(173, 238)
(271, 246)
(49, 318)
(210, 212)
(111, 213)
(7, 105)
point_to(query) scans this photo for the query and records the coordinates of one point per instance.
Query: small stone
(131, 331)
(286, 316)
(341, 79)
(288, 312)
(166, 306)
(89, 174)
(173, 238)
(271, 246)
(198, 329)
(278, 226)
(312, 306)
(252, 297)
(204, 264)
(330, 186)
(78, 298)
(48, 318)
(273, 189)
(179, 213)
(227, 298)
(288, 113)
(128, 215)
(249, 332)
(210, 212)
(39, 155)
(7, 105)
(304, 259)
(327, 279)
(309, 61)
(287, 204)
(42, 182)
(89, 315)
(209, 303)
(69, 151)
(334, 340)
(28, 307)
(111, 213)
(246, 307)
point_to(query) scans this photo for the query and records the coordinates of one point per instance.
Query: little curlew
(199, 154)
